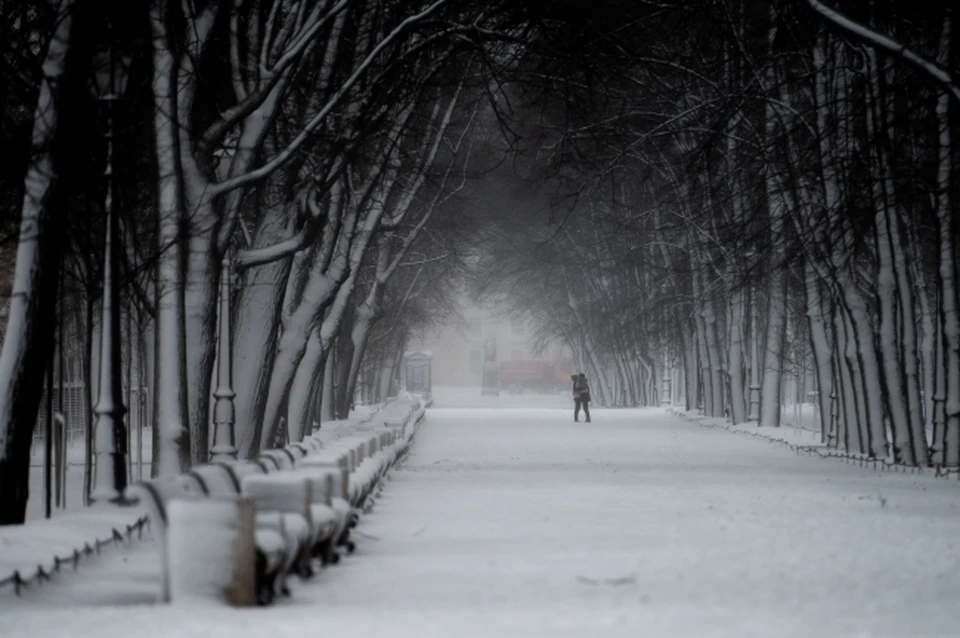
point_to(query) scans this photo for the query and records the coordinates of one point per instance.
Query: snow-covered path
(518, 522)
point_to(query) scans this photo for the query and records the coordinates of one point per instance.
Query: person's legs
(576, 409)
(586, 410)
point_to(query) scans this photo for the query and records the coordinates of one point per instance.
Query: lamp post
(224, 448)
(110, 74)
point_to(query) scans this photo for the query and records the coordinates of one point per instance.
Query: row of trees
(737, 187)
(765, 188)
(308, 150)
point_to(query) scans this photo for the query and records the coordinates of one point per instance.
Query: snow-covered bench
(366, 468)
(301, 498)
(223, 479)
(305, 496)
(155, 496)
(313, 533)
(337, 464)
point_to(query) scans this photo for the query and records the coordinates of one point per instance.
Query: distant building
(457, 350)
(416, 371)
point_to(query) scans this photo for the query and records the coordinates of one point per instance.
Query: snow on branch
(306, 133)
(269, 254)
(309, 210)
(877, 40)
(248, 102)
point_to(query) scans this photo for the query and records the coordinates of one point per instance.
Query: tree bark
(305, 386)
(171, 450)
(28, 338)
(949, 365)
(773, 342)
(821, 347)
(256, 328)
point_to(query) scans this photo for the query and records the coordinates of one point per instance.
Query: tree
(26, 344)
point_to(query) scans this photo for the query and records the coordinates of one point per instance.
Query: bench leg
(327, 552)
(344, 541)
(265, 582)
(304, 567)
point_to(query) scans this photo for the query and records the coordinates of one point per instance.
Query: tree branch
(877, 40)
(283, 156)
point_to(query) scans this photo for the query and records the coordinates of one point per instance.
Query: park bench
(364, 471)
(377, 459)
(300, 502)
(317, 534)
(282, 459)
(372, 468)
(365, 464)
(306, 447)
(403, 431)
(302, 496)
(346, 453)
(338, 466)
(224, 479)
(155, 496)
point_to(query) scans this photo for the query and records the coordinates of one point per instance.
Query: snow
(29, 548)
(509, 519)
(789, 433)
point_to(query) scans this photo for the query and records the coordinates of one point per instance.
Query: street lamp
(224, 448)
(110, 75)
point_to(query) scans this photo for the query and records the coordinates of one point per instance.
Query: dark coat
(581, 389)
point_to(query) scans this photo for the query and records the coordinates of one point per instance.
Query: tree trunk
(200, 319)
(305, 387)
(326, 399)
(171, 450)
(773, 352)
(31, 324)
(706, 379)
(773, 341)
(892, 371)
(688, 335)
(256, 327)
(343, 344)
(290, 351)
(928, 353)
(938, 440)
(700, 321)
(293, 345)
(949, 365)
(851, 401)
(871, 388)
(360, 335)
(821, 347)
(738, 404)
(898, 347)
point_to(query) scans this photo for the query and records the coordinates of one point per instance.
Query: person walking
(581, 396)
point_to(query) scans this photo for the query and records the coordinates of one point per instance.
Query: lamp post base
(223, 453)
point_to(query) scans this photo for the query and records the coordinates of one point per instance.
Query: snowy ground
(787, 432)
(509, 519)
